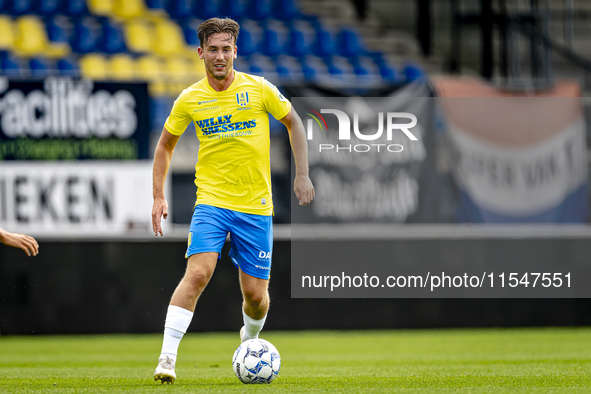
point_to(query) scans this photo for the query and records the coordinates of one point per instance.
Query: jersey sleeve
(275, 103)
(179, 118)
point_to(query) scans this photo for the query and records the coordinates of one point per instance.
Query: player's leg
(199, 270)
(206, 239)
(252, 246)
(255, 305)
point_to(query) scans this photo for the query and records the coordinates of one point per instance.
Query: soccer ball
(256, 361)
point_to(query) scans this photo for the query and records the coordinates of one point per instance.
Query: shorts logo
(265, 256)
(242, 98)
(190, 239)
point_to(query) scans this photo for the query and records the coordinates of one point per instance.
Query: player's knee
(255, 297)
(198, 277)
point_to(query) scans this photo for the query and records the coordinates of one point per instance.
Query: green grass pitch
(464, 361)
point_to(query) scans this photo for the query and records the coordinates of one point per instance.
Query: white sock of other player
(177, 322)
(252, 327)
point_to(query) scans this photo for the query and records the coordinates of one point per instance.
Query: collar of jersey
(233, 85)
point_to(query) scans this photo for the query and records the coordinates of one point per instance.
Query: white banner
(77, 198)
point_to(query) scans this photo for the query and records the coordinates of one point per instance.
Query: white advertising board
(80, 198)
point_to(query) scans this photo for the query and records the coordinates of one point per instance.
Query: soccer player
(21, 241)
(233, 177)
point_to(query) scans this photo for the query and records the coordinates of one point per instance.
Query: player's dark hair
(216, 25)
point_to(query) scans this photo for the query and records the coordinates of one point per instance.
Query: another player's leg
(255, 305)
(200, 268)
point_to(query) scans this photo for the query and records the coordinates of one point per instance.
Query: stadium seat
(112, 40)
(300, 42)
(68, 67)
(275, 38)
(19, 7)
(236, 9)
(48, 7)
(259, 9)
(150, 68)
(75, 8)
(31, 39)
(41, 67)
(169, 38)
(180, 9)
(139, 36)
(289, 69)
(101, 7)
(122, 67)
(13, 66)
(87, 32)
(189, 28)
(59, 28)
(205, 9)
(249, 38)
(286, 10)
(349, 43)
(156, 4)
(413, 72)
(324, 45)
(129, 8)
(94, 66)
(6, 33)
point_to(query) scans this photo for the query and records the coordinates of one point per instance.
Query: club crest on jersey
(242, 98)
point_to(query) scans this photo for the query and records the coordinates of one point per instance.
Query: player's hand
(21, 241)
(304, 190)
(159, 211)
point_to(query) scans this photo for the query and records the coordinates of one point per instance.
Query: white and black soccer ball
(256, 361)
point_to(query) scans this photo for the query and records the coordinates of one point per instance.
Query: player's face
(219, 54)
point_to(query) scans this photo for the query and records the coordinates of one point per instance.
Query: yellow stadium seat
(150, 69)
(122, 67)
(6, 33)
(169, 39)
(196, 67)
(100, 7)
(139, 36)
(31, 39)
(129, 8)
(94, 66)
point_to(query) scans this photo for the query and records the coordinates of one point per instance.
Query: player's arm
(21, 241)
(162, 159)
(302, 186)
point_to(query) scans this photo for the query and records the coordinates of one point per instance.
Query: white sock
(177, 322)
(252, 327)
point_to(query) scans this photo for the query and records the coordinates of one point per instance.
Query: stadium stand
(156, 40)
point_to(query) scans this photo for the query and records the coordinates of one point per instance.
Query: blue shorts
(251, 237)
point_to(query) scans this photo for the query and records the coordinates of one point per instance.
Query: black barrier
(107, 287)
(70, 119)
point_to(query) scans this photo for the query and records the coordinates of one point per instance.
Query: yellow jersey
(233, 168)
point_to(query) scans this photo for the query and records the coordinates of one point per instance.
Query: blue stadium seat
(68, 67)
(286, 10)
(300, 42)
(248, 41)
(235, 9)
(259, 9)
(86, 36)
(413, 72)
(48, 7)
(112, 40)
(59, 28)
(289, 69)
(41, 67)
(313, 67)
(19, 7)
(156, 4)
(324, 45)
(13, 66)
(349, 43)
(205, 9)
(75, 8)
(180, 9)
